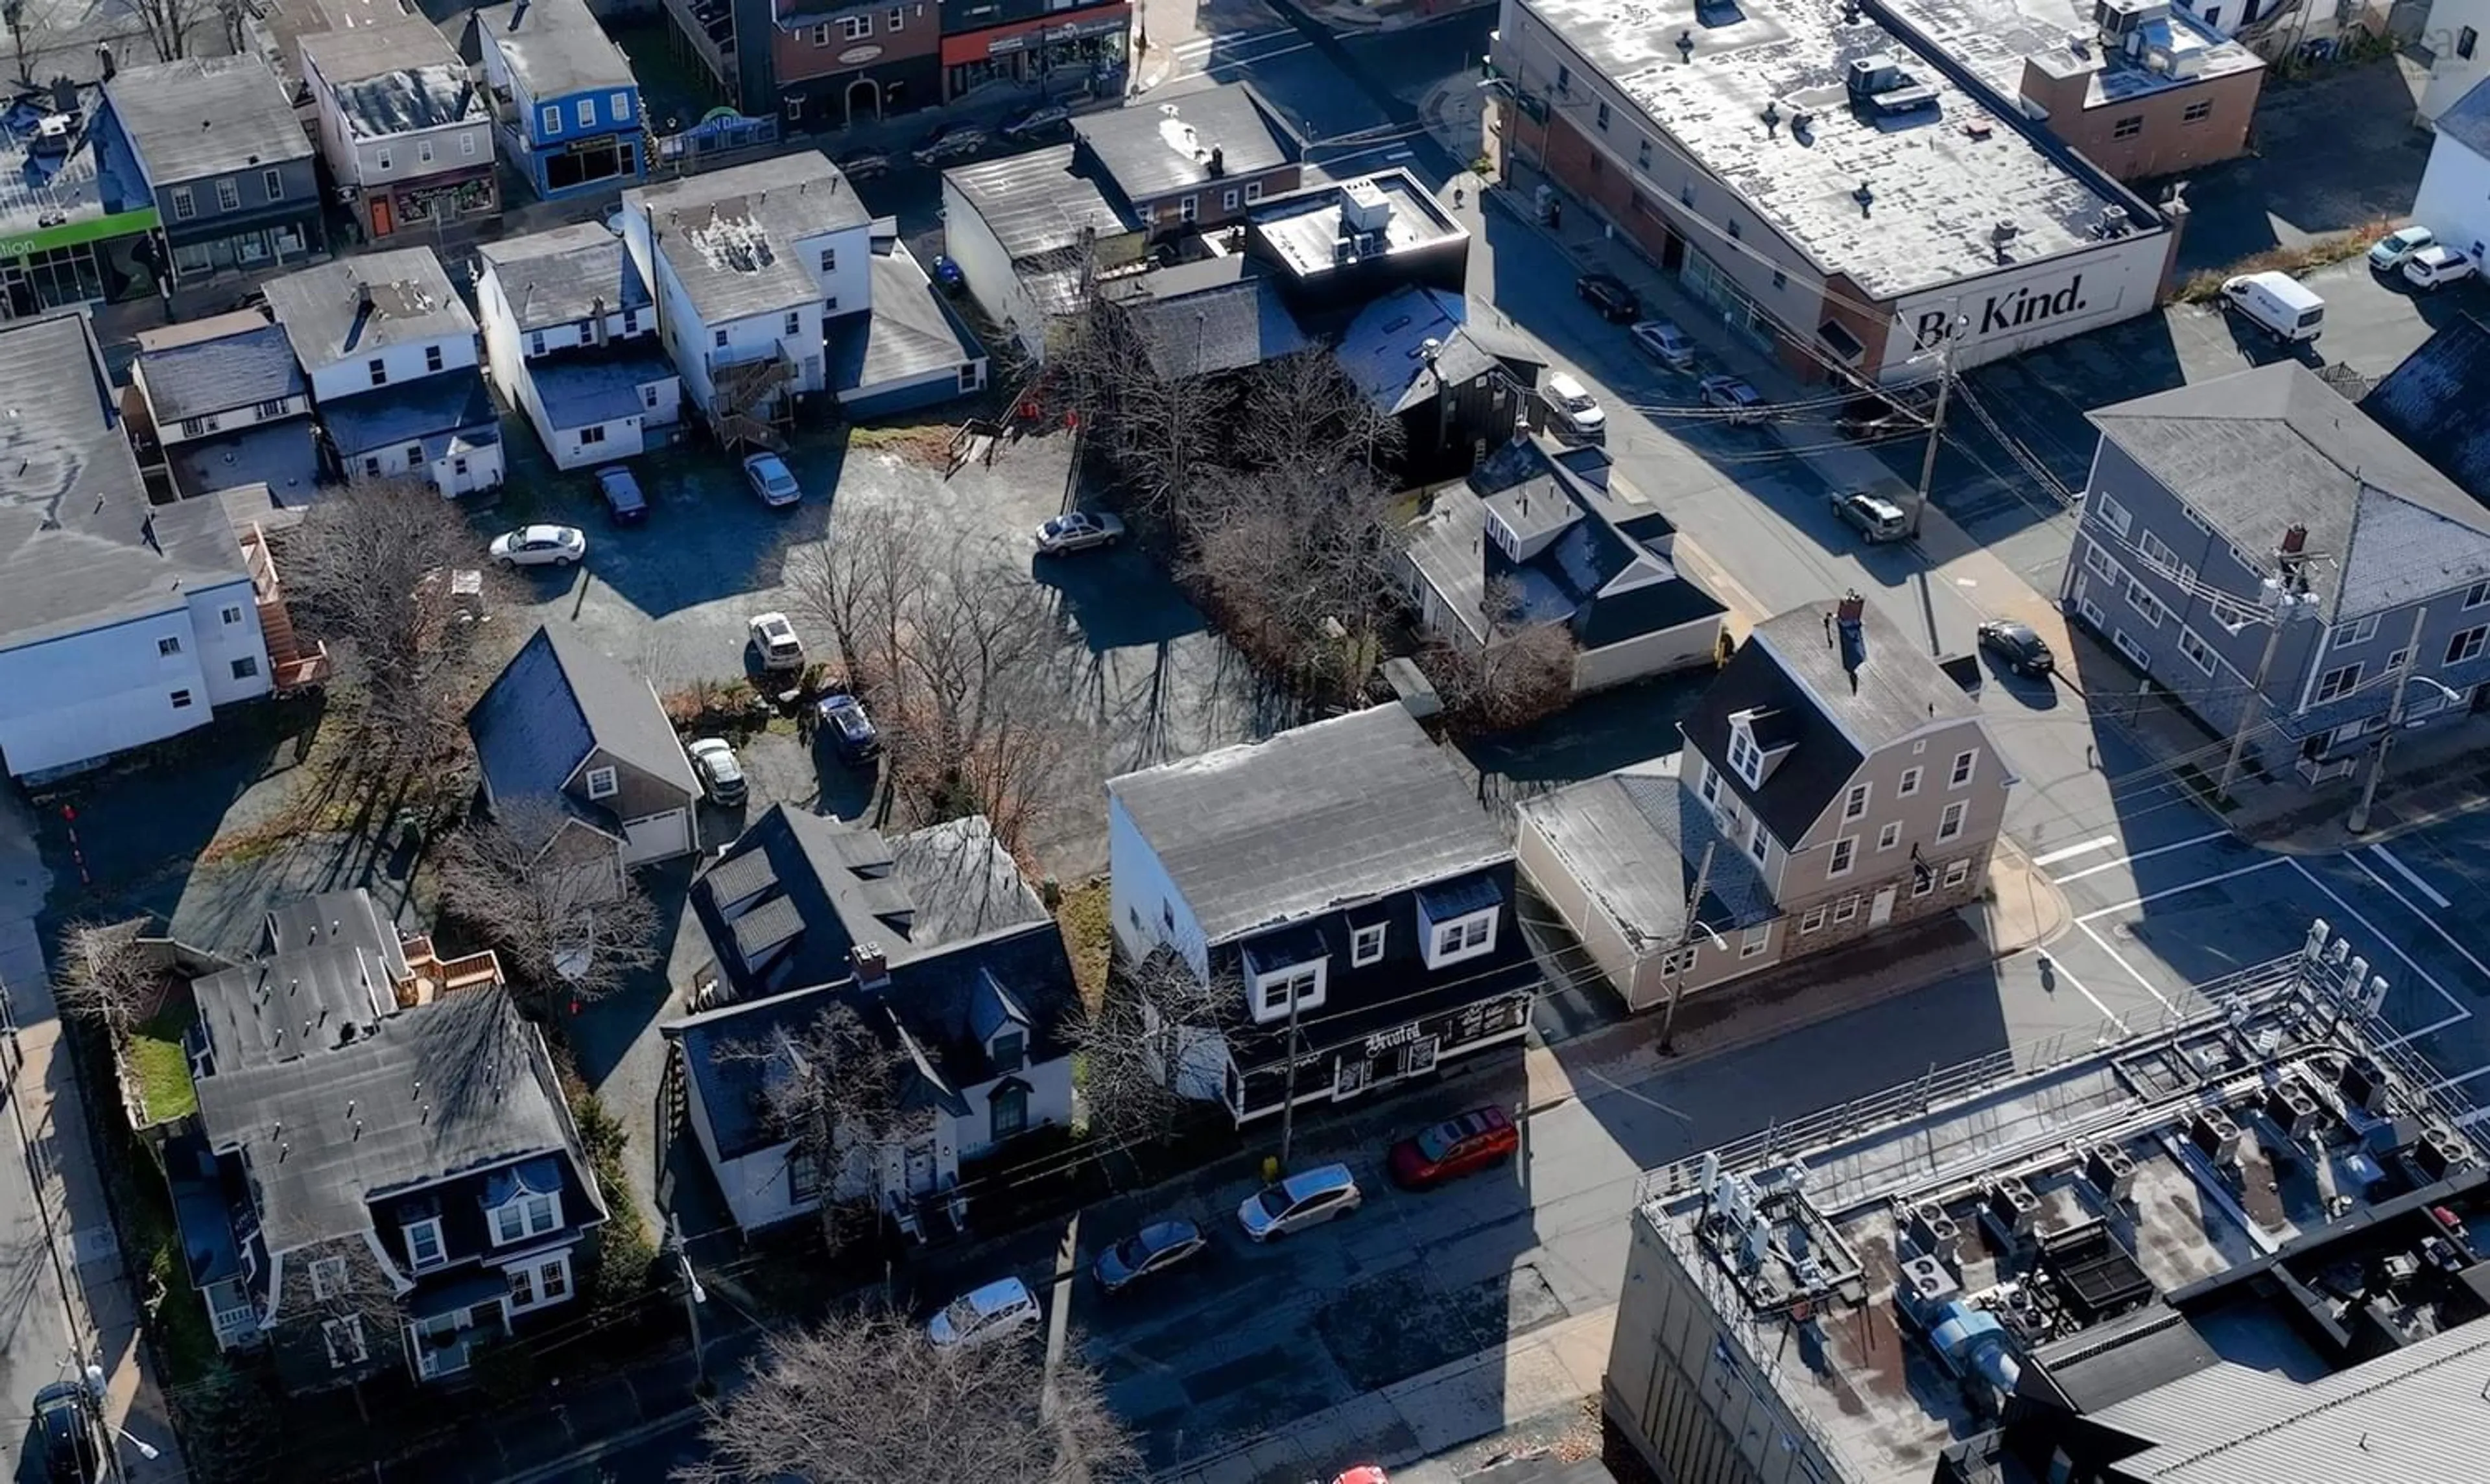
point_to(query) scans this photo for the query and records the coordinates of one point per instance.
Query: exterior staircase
(290, 665)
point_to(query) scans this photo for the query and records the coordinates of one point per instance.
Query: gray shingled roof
(80, 545)
(421, 410)
(1790, 669)
(555, 48)
(910, 332)
(239, 360)
(2432, 402)
(1633, 840)
(1033, 204)
(576, 392)
(1270, 831)
(2259, 451)
(730, 235)
(330, 317)
(1383, 349)
(1153, 150)
(558, 700)
(206, 116)
(557, 277)
(395, 78)
(1212, 315)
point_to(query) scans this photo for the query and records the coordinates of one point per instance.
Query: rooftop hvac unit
(2292, 1108)
(2393, 1134)
(1364, 207)
(2363, 1084)
(2215, 1133)
(1924, 1284)
(2012, 1206)
(2111, 1170)
(2441, 1152)
(1933, 1232)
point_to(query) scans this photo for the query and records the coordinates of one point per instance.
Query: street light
(1681, 959)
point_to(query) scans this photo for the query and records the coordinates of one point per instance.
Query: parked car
(863, 165)
(982, 1315)
(947, 275)
(540, 546)
(951, 141)
(67, 1429)
(850, 731)
(1873, 516)
(721, 776)
(1043, 121)
(1576, 410)
(772, 480)
(1079, 530)
(625, 505)
(1364, 1474)
(1454, 1148)
(1302, 1199)
(1733, 395)
(2283, 306)
(1608, 293)
(2025, 652)
(2436, 266)
(1864, 419)
(1664, 343)
(1154, 1248)
(774, 640)
(2394, 247)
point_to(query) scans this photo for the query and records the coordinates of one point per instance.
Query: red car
(1457, 1147)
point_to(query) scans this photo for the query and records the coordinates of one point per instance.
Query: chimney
(104, 60)
(871, 964)
(363, 297)
(1218, 161)
(1847, 618)
(65, 95)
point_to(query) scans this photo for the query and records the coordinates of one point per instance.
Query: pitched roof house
(407, 131)
(1835, 778)
(1343, 880)
(229, 405)
(382, 1169)
(942, 948)
(570, 336)
(565, 724)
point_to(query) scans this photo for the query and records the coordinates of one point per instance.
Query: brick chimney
(871, 964)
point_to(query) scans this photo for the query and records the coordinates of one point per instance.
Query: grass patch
(1085, 916)
(160, 1065)
(2316, 253)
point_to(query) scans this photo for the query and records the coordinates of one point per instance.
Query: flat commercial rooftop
(2111, 1210)
(1994, 38)
(1939, 181)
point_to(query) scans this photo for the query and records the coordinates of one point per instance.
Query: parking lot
(672, 597)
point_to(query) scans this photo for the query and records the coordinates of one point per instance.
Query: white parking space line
(2462, 1013)
(2267, 864)
(2408, 874)
(2427, 920)
(2141, 855)
(2116, 958)
(2072, 851)
(2477, 1072)
(2059, 968)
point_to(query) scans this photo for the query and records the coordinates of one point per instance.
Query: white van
(1576, 410)
(2288, 309)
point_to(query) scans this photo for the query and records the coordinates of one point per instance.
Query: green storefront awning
(70, 233)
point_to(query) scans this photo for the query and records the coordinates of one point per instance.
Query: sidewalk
(96, 1317)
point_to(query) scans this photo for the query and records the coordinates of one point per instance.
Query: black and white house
(1345, 881)
(946, 955)
(381, 1170)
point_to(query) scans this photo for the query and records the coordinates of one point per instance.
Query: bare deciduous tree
(953, 646)
(868, 1400)
(832, 1089)
(553, 902)
(107, 976)
(172, 25)
(372, 572)
(1144, 1044)
(1522, 673)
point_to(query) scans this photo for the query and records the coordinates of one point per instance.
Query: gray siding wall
(300, 197)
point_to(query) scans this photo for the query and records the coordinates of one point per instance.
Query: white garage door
(657, 836)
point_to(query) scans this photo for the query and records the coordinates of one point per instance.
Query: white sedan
(774, 640)
(1079, 531)
(540, 546)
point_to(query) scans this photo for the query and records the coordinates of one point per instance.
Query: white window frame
(1966, 767)
(856, 28)
(2476, 595)
(1470, 935)
(603, 783)
(2360, 631)
(1842, 857)
(2198, 653)
(1315, 971)
(586, 112)
(1189, 208)
(2147, 607)
(2097, 560)
(2467, 645)
(231, 614)
(523, 1205)
(1890, 836)
(1366, 945)
(1950, 823)
(184, 205)
(430, 1225)
(1956, 872)
(619, 104)
(1846, 908)
(1746, 758)
(328, 1278)
(1813, 922)
(549, 119)
(1228, 201)
(353, 1351)
(1755, 940)
(533, 1273)
(2351, 674)
(2115, 516)
(228, 193)
(1253, 191)
(1854, 804)
(1910, 784)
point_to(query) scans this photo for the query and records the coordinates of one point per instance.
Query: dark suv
(1608, 293)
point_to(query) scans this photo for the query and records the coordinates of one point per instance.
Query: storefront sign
(1385, 1040)
(70, 234)
(858, 56)
(2015, 309)
(1022, 35)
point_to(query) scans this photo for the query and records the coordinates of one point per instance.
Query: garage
(657, 837)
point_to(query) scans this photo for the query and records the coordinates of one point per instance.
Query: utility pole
(1288, 1089)
(2360, 821)
(1936, 426)
(2287, 598)
(1684, 951)
(2248, 706)
(693, 1297)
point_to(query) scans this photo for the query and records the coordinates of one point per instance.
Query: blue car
(948, 278)
(850, 731)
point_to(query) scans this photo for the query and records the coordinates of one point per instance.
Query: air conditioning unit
(1924, 1283)
(2113, 1171)
(2363, 1084)
(2011, 1205)
(2294, 1108)
(1933, 1232)
(2215, 1133)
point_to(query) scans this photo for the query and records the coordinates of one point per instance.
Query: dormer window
(1746, 758)
(1008, 1051)
(1456, 922)
(424, 1246)
(602, 783)
(524, 1201)
(1366, 945)
(1289, 969)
